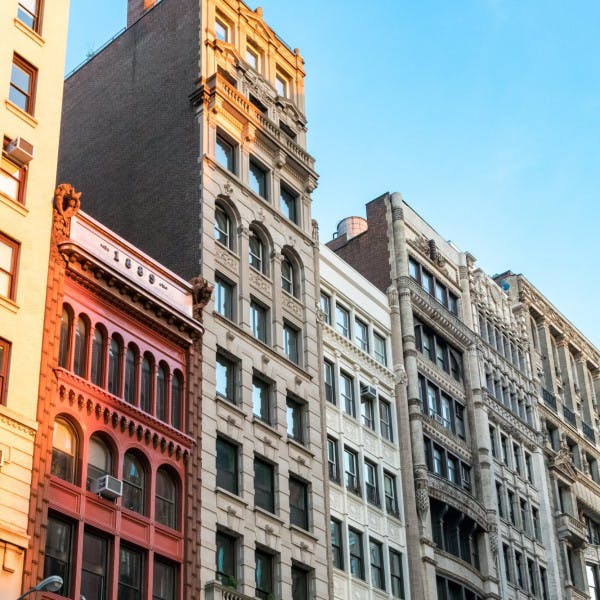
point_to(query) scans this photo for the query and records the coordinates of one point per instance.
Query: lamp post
(52, 584)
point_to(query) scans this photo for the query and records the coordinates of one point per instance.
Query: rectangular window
(523, 515)
(351, 471)
(493, 449)
(221, 31)
(131, 573)
(342, 320)
(379, 349)
(225, 154)
(396, 574)
(258, 321)
(355, 545)
(264, 575)
(164, 583)
(57, 559)
(361, 335)
(507, 566)
(367, 411)
(347, 394)
(528, 467)
(226, 567)
(298, 502)
(281, 85)
(511, 507)
(385, 420)
(504, 448)
(264, 485)
(225, 375)
(257, 176)
(227, 466)
(9, 252)
(94, 566)
(519, 569)
(376, 559)
(371, 483)
(288, 203)
(535, 521)
(300, 583)
(291, 343)
(333, 459)
(295, 420)
(12, 180)
(261, 399)
(22, 84)
(337, 547)
(223, 297)
(329, 382)
(517, 457)
(391, 499)
(28, 12)
(4, 361)
(252, 58)
(325, 306)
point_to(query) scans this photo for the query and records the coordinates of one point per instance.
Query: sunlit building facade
(32, 56)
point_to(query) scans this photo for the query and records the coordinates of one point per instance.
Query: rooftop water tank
(351, 226)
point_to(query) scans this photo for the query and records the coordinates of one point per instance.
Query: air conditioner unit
(368, 391)
(20, 150)
(108, 487)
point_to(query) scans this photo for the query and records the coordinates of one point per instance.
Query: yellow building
(32, 54)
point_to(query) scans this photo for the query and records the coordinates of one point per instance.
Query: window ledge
(265, 513)
(232, 405)
(16, 206)
(299, 446)
(9, 304)
(34, 35)
(25, 116)
(305, 532)
(270, 428)
(234, 497)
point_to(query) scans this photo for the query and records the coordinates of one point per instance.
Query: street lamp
(52, 584)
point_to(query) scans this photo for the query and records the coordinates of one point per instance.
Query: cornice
(15, 424)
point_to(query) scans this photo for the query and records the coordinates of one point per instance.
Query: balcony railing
(588, 431)
(216, 591)
(549, 399)
(570, 416)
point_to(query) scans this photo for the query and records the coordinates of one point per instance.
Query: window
(221, 31)
(432, 286)
(164, 584)
(361, 335)
(22, 84)
(64, 451)
(351, 471)
(342, 320)
(12, 179)
(57, 560)
(325, 305)
(396, 574)
(287, 276)
(94, 566)
(385, 420)
(441, 407)
(300, 583)
(130, 374)
(261, 401)
(291, 343)
(517, 457)
(379, 349)
(225, 154)
(224, 297)
(252, 58)
(391, 499)
(65, 333)
(28, 12)
(80, 354)
(115, 352)
(288, 205)
(446, 465)
(99, 460)
(257, 176)
(281, 85)
(511, 507)
(256, 254)
(500, 500)
(493, 449)
(337, 549)
(436, 349)
(97, 366)
(264, 485)
(264, 575)
(376, 558)
(295, 420)
(134, 484)
(347, 394)
(223, 230)
(227, 465)
(225, 374)
(161, 392)
(355, 545)
(329, 382)
(4, 360)
(176, 400)
(519, 568)
(535, 521)
(131, 574)
(166, 498)
(146, 383)
(298, 502)
(333, 459)
(258, 321)
(593, 581)
(504, 448)
(367, 411)
(371, 483)
(528, 467)
(226, 559)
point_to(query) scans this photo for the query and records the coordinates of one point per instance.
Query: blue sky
(484, 114)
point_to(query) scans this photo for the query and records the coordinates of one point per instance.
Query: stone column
(548, 380)
(568, 377)
(585, 389)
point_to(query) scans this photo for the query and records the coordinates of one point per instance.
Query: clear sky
(484, 114)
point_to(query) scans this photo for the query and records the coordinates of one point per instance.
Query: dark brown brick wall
(129, 138)
(368, 252)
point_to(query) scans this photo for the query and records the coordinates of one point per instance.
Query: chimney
(136, 9)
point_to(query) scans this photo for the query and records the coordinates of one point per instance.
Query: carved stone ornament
(202, 293)
(227, 189)
(422, 500)
(66, 205)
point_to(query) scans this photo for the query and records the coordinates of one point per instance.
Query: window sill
(270, 428)
(299, 445)
(265, 513)
(9, 305)
(232, 405)
(16, 206)
(304, 532)
(30, 33)
(234, 497)
(24, 116)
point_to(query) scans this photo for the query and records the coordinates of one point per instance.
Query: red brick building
(112, 507)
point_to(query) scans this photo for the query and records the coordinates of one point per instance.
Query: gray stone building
(187, 135)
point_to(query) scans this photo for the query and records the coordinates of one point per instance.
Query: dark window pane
(131, 566)
(264, 487)
(227, 466)
(94, 569)
(164, 586)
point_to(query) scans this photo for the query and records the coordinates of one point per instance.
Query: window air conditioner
(108, 487)
(20, 150)
(368, 391)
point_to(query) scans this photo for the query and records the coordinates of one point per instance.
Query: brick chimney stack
(136, 8)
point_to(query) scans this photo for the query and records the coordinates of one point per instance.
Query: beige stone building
(367, 529)
(32, 55)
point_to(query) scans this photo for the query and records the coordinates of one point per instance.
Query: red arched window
(81, 340)
(115, 351)
(97, 365)
(130, 369)
(146, 383)
(65, 338)
(134, 483)
(176, 400)
(166, 498)
(100, 460)
(64, 451)
(161, 392)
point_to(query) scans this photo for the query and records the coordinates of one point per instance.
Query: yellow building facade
(32, 55)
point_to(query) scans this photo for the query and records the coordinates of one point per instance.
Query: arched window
(161, 392)
(64, 450)
(130, 368)
(287, 276)
(80, 354)
(97, 365)
(114, 365)
(176, 398)
(166, 498)
(134, 484)
(99, 460)
(256, 255)
(65, 338)
(223, 229)
(146, 384)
